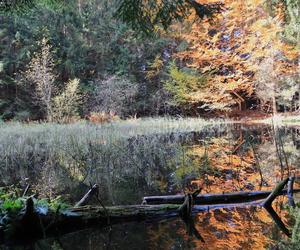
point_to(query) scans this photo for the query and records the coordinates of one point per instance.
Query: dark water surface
(226, 158)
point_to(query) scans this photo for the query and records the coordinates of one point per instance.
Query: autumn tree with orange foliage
(232, 51)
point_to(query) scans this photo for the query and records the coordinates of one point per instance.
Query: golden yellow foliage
(233, 46)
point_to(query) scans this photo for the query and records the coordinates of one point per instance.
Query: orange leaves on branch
(233, 48)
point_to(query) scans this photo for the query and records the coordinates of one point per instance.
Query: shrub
(114, 94)
(102, 117)
(65, 106)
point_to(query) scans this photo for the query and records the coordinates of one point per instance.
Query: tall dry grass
(56, 157)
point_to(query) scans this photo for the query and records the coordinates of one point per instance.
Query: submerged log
(186, 211)
(213, 199)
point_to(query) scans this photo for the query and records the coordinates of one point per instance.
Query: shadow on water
(218, 159)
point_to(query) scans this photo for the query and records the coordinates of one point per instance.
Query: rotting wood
(185, 212)
(278, 220)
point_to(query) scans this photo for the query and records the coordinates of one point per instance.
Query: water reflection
(221, 229)
(217, 159)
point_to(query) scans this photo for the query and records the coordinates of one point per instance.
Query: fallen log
(30, 221)
(82, 217)
(213, 199)
(36, 225)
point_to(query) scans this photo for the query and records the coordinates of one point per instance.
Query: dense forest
(149, 124)
(87, 59)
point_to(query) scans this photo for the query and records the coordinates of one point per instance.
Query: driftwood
(185, 210)
(239, 197)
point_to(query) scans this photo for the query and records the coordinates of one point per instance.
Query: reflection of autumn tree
(238, 228)
(267, 152)
(222, 163)
(268, 160)
(222, 167)
(242, 161)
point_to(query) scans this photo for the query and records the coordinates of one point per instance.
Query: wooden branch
(78, 218)
(277, 190)
(26, 190)
(34, 223)
(185, 210)
(84, 200)
(290, 191)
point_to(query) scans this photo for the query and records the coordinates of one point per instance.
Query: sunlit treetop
(233, 49)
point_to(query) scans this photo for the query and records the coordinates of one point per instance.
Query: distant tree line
(128, 58)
